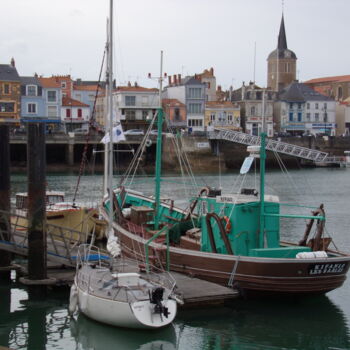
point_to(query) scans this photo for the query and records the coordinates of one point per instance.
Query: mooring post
(36, 168)
(5, 257)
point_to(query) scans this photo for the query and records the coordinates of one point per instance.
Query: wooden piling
(5, 257)
(36, 167)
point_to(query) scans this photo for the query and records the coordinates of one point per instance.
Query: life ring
(228, 225)
(148, 143)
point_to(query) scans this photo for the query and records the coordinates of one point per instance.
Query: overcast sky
(68, 37)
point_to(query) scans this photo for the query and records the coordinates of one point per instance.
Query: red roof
(337, 78)
(49, 82)
(69, 102)
(86, 87)
(172, 102)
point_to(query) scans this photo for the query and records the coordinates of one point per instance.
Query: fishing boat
(66, 216)
(108, 287)
(233, 239)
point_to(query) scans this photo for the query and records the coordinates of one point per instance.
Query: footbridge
(271, 145)
(61, 246)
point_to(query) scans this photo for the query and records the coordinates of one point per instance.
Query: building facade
(10, 93)
(175, 113)
(304, 111)
(32, 100)
(256, 105)
(74, 114)
(223, 114)
(51, 89)
(209, 79)
(281, 63)
(337, 87)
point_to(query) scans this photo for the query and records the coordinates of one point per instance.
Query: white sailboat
(111, 289)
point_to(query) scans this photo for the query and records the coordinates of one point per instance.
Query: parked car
(80, 131)
(134, 132)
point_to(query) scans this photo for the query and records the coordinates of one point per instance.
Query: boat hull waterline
(255, 274)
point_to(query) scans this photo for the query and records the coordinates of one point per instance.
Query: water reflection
(312, 323)
(89, 335)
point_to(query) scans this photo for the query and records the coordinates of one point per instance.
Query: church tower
(281, 63)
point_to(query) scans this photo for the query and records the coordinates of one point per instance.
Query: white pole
(110, 97)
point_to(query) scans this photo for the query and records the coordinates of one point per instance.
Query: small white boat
(114, 292)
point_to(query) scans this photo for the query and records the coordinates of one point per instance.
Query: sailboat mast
(110, 112)
(159, 148)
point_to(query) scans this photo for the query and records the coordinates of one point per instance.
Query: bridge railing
(62, 242)
(271, 145)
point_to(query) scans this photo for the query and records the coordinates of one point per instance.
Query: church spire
(282, 40)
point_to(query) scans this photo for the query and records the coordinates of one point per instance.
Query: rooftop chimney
(179, 78)
(136, 85)
(13, 62)
(129, 84)
(212, 71)
(175, 79)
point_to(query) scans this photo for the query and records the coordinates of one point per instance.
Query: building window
(299, 116)
(325, 105)
(316, 117)
(194, 93)
(91, 97)
(229, 117)
(130, 100)
(68, 113)
(316, 105)
(52, 111)
(7, 107)
(31, 90)
(252, 110)
(212, 117)
(6, 89)
(144, 114)
(31, 108)
(325, 117)
(63, 84)
(308, 115)
(308, 106)
(52, 96)
(177, 116)
(291, 117)
(130, 115)
(299, 105)
(78, 97)
(195, 108)
(340, 92)
(144, 100)
(80, 113)
(195, 122)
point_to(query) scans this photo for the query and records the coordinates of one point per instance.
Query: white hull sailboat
(109, 289)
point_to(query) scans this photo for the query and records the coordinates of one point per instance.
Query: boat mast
(106, 120)
(110, 112)
(159, 148)
(262, 173)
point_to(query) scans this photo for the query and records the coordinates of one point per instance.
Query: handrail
(165, 228)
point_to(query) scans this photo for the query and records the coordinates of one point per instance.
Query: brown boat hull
(261, 275)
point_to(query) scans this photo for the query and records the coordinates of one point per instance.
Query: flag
(118, 135)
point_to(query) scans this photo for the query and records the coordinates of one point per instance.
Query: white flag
(118, 135)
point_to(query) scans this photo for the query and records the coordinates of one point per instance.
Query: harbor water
(317, 322)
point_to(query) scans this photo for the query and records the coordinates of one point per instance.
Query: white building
(74, 114)
(305, 111)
